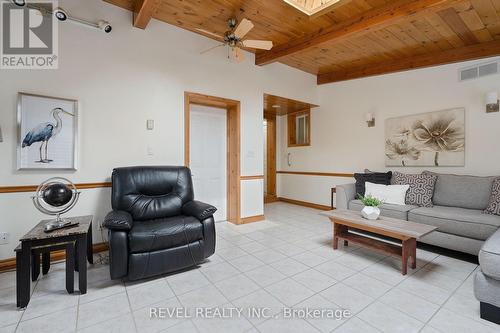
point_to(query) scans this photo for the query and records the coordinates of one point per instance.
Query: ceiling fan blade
(243, 28)
(206, 32)
(258, 44)
(238, 54)
(212, 48)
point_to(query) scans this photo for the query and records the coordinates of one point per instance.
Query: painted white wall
(121, 80)
(342, 142)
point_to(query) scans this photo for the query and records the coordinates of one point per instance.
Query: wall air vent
(478, 71)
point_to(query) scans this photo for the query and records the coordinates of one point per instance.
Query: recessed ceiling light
(276, 106)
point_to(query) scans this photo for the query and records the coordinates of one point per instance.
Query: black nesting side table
(36, 241)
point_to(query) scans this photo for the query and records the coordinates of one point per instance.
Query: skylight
(313, 7)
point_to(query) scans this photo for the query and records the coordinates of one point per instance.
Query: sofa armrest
(118, 220)
(198, 209)
(345, 193)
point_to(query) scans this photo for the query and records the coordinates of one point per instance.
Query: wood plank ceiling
(276, 105)
(357, 38)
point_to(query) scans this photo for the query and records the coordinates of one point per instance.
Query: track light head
(61, 14)
(105, 26)
(20, 3)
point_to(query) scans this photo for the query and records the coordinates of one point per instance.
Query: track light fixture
(60, 14)
(105, 26)
(20, 3)
(63, 16)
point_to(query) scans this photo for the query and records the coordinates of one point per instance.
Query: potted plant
(371, 210)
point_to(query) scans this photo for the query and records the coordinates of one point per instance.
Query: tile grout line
(178, 300)
(130, 307)
(446, 301)
(77, 312)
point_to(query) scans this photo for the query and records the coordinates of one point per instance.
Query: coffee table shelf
(346, 221)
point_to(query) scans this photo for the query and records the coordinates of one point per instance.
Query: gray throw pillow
(421, 188)
(494, 205)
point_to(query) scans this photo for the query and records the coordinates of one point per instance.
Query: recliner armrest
(118, 220)
(198, 209)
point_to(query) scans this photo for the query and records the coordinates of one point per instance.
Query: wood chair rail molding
(312, 173)
(252, 177)
(32, 188)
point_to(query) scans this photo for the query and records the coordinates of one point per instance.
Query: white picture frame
(47, 132)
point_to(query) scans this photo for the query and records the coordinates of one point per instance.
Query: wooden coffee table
(406, 232)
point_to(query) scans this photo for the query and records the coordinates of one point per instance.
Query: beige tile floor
(285, 261)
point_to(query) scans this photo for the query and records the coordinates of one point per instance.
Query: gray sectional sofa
(459, 202)
(487, 280)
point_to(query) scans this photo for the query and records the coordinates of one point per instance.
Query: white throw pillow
(389, 194)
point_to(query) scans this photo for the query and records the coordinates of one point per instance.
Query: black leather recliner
(156, 227)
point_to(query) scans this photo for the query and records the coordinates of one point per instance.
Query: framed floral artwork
(427, 139)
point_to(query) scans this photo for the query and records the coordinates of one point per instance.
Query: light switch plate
(4, 238)
(150, 124)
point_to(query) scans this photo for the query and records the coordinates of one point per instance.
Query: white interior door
(208, 156)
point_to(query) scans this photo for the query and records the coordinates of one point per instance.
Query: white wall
(121, 80)
(342, 142)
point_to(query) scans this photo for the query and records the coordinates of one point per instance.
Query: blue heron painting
(44, 132)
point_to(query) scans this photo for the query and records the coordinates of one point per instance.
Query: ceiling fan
(233, 38)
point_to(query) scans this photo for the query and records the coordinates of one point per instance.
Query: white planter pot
(370, 213)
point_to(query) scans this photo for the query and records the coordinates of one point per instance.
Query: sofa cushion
(390, 194)
(372, 177)
(489, 256)
(457, 221)
(421, 187)
(388, 210)
(165, 233)
(462, 191)
(494, 204)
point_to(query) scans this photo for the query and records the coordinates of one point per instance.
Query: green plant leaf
(370, 201)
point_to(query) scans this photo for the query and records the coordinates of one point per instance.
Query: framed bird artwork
(48, 132)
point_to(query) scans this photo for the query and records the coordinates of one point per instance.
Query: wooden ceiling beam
(470, 52)
(143, 12)
(371, 20)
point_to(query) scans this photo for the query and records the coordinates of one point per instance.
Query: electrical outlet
(4, 238)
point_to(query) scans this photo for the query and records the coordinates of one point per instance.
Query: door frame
(271, 158)
(233, 145)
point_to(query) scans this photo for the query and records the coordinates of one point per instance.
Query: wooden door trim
(233, 146)
(271, 155)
